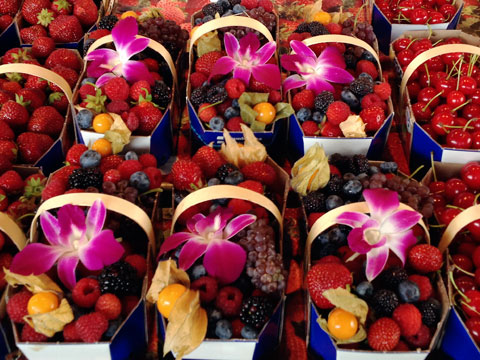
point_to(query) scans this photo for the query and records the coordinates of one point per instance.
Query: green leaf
(283, 110)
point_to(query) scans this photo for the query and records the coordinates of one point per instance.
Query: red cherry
(463, 262)
(475, 96)
(413, 89)
(438, 75)
(476, 257)
(405, 57)
(467, 85)
(429, 95)
(477, 277)
(405, 7)
(453, 40)
(421, 44)
(446, 85)
(455, 98)
(418, 16)
(421, 111)
(474, 228)
(429, 130)
(425, 80)
(450, 59)
(459, 139)
(471, 307)
(444, 108)
(429, 3)
(461, 122)
(470, 174)
(466, 248)
(471, 111)
(437, 187)
(448, 11)
(436, 18)
(448, 215)
(476, 140)
(473, 326)
(435, 64)
(464, 200)
(401, 44)
(465, 283)
(441, 122)
(453, 187)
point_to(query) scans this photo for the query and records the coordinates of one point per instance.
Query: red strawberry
(55, 187)
(373, 117)
(91, 327)
(149, 116)
(261, 172)
(42, 46)
(257, 86)
(12, 86)
(266, 4)
(32, 146)
(252, 185)
(46, 120)
(303, 99)
(310, 128)
(29, 34)
(34, 82)
(16, 55)
(74, 153)
(59, 101)
(139, 88)
(128, 167)
(87, 89)
(365, 66)
(70, 75)
(132, 121)
(9, 7)
(187, 175)
(32, 98)
(5, 21)
(117, 89)
(31, 8)
(197, 79)
(5, 164)
(14, 114)
(6, 133)
(65, 29)
(64, 57)
(239, 206)
(61, 7)
(205, 63)
(425, 258)
(64, 173)
(97, 34)
(8, 149)
(45, 17)
(3, 203)
(209, 160)
(11, 182)
(5, 96)
(327, 276)
(337, 112)
(206, 112)
(408, 318)
(110, 162)
(383, 335)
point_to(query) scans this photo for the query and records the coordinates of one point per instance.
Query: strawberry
(74, 153)
(5, 96)
(16, 55)
(9, 7)
(45, 17)
(5, 21)
(310, 128)
(261, 172)
(42, 46)
(408, 318)
(33, 98)
(31, 9)
(148, 115)
(209, 160)
(171, 11)
(11, 182)
(373, 117)
(6, 133)
(64, 173)
(64, 57)
(139, 89)
(187, 175)
(197, 79)
(55, 187)
(70, 75)
(8, 149)
(46, 120)
(383, 335)
(327, 276)
(257, 86)
(86, 11)
(266, 4)
(205, 63)
(337, 112)
(61, 7)
(365, 66)
(239, 206)
(34, 82)
(14, 114)
(206, 111)
(303, 99)
(112, 175)
(65, 28)
(12, 86)
(5, 164)
(32, 146)
(425, 258)
(87, 89)
(132, 121)
(117, 89)
(110, 162)
(97, 34)
(29, 34)
(252, 185)
(59, 101)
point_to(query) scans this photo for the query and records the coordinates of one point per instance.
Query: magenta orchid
(387, 228)
(72, 238)
(208, 235)
(245, 58)
(314, 72)
(107, 63)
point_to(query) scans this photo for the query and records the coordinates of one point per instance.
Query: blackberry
(303, 27)
(383, 302)
(317, 28)
(350, 60)
(216, 94)
(314, 202)
(361, 87)
(361, 164)
(256, 311)
(198, 96)
(211, 9)
(234, 2)
(323, 101)
(119, 279)
(431, 310)
(341, 162)
(161, 94)
(392, 277)
(107, 22)
(85, 177)
(224, 170)
(334, 185)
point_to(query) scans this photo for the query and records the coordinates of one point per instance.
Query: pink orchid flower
(246, 58)
(387, 228)
(208, 235)
(315, 72)
(107, 63)
(72, 238)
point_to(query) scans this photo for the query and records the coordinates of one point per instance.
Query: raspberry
(424, 285)
(312, 217)
(229, 301)
(17, 306)
(118, 107)
(334, 28)
(252, 185)
(266, 4)
(383, 90)
(97, 34)
(221, 108)
(303, 99)
(383, 335)
(274, 97)
(365, 66)
(117, 89)
(112, 175)
(91, 327)
(401, 346)
(148, 160)
(139, 263)
(86, 292)
(129, 303)
(337, 112)
(74, 153)
(209, 160)
(206, 111)
(109, 305)
(70, 333)
(249, 4)
(155, 176)
(261, 172)
(425, 258)
(408, 318)
(110, 162)
(421, 339)
(373, 117)
(235, 88)
(29, 334)
(206, 62)
(310, 128)
(294, 36)
(128, 167)
(197, 79)
(208, 288)
(234, 124)
(237, 326)
(370, 100)
(239, 206)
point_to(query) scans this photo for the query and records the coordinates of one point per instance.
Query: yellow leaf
(311, 172)
(208, 42)
(167, 273)
(52, 322)
(118, 134)
(347, 301)
(34, 283)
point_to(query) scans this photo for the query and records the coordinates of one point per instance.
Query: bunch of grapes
(266, 18)
(360, 30)
(166, 32)
(121, 190)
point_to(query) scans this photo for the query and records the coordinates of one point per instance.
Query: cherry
(448, 11)
(405, 57)
(418, 16)
(477, 276)
(429, 130)
(413, 89)
(455, 98)
(405, 7)
(401, 44)
(437, 75)
(461, 122)
(453, 40)
(459, 139)
(463, 262)
(421, 111)
(435, 64)
(471, 307)
(465, 283)
(441, 2)
(437, 187)
(470, 174)
(466, 248)
(473, 326)
(467, 85)
(429, 95)
(446, 85)
(421, 44)
(451, 58)
(444, 108)
(464, 200)
(476, 140)
(436, 18)
(471, 111)
(453, 187)
(441, 121)
(425, 79)
(476, 257)
(429, 3)
(475, 96)
(474, 228)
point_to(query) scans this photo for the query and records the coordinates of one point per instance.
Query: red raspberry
(266, 4)
(148, 160)
(235, 88)
(118, 107)
(421, 339)
(365, 66)
(112, 175)
(274, 97)
(237, 326)
(260, 212)
(155, 176)
(295, 36)
(383, 335)
(334, 28)
(229, 301)
(17, 306)
(312, 217)
(109, 306)
(371, 100)
(424, 285)
(91, 327)
(425, 258)
(310, 128)
(383, 90)
(234, 124)
(206, 112)
(132, 121)
(74, 153)
(197, 79)
(129, 303)
(249, 4)
(117, 89)
(86, 292)
(252, 185)
(337, 112)
(139, 263)
(373, 117)
(70, 333)
(110, 162)
(261, 172)
(152, 64)
(239, 206)
(303, 99)
(209, 160)
(409, 318)
(401, 346)
(128, 167)
(97, 34)
(29, 334)
(223, 106)
(208, 287)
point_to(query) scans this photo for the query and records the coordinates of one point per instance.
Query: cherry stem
(460, 269)
(454, 207)
(438, 225)
(430, 101)
(428, 73)
(476, 198)
(458, 127)
(437, 42)
(452, 280)
(416, 171)
(459, 73)
(151, 191)
(433, 167)
(466, 125)
(470, 308)
(411, 42)
(473, 60)
(453, 68)
(356, 16)
(209, 106)
(24, 216)
(462, 105)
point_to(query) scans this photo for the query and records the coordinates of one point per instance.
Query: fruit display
(418, 13)
(8, 10)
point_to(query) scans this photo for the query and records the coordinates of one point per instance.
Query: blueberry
(350, 99)
(234, 178)
(222, 202)
(213, 181)
(231, 112)
(140, 181)
(207, 18)
(408, 291)
(178, 197)
(368, 56)
(304, 114)
(131, 155)
(88, 80)
(237, 9)
(249, 332)
(333, 201)
(373, 170)
(214, 315)
(352, 189)
(198, 21)
(389, 167)
(213, 207)
(227, 13)
(217, 123)
(366, 76)
(84, 119)
(364, 289)
(323, 238)
(223, 329)
(113, 326)
(337, 236)
(90, 159)
(225, 4)
(235, 103)
(198, 271)
(317, 116)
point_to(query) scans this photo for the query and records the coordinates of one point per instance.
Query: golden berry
(42, 302)
(168, 297)
(342, 324)
(266, 112)
(102, 123)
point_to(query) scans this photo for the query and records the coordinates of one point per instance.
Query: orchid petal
(35, 259)
(337, 75)
(134, 71)
(381, 202)
(51, 229)
(376, 260)
(66, 271)
(190, 252)
(237, 224)
(293, 82)
(242, 73)
(291, 62)
(317, 85)
(102, 250)
(223, 66)
(332, 56)
(249, 44)
(105, 55)
(225, 261)
(268, 74)
(400, 221)
(97, 68)
(72, 222)
(175, 240)
(352, 219)
(301, 49)
(266, 52)
(134, 47)
(124, 32)
(193, 220)
(213, 222)
(357, 242)
(95, 219)
(102, 80)
(231, 44)
(401, 242)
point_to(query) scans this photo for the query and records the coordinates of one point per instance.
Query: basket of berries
(439, 90)
(84, 297)
(230, 85)
(128, 105)
(8, 31)
(333, 107)
(378, 293)
(390, 19)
